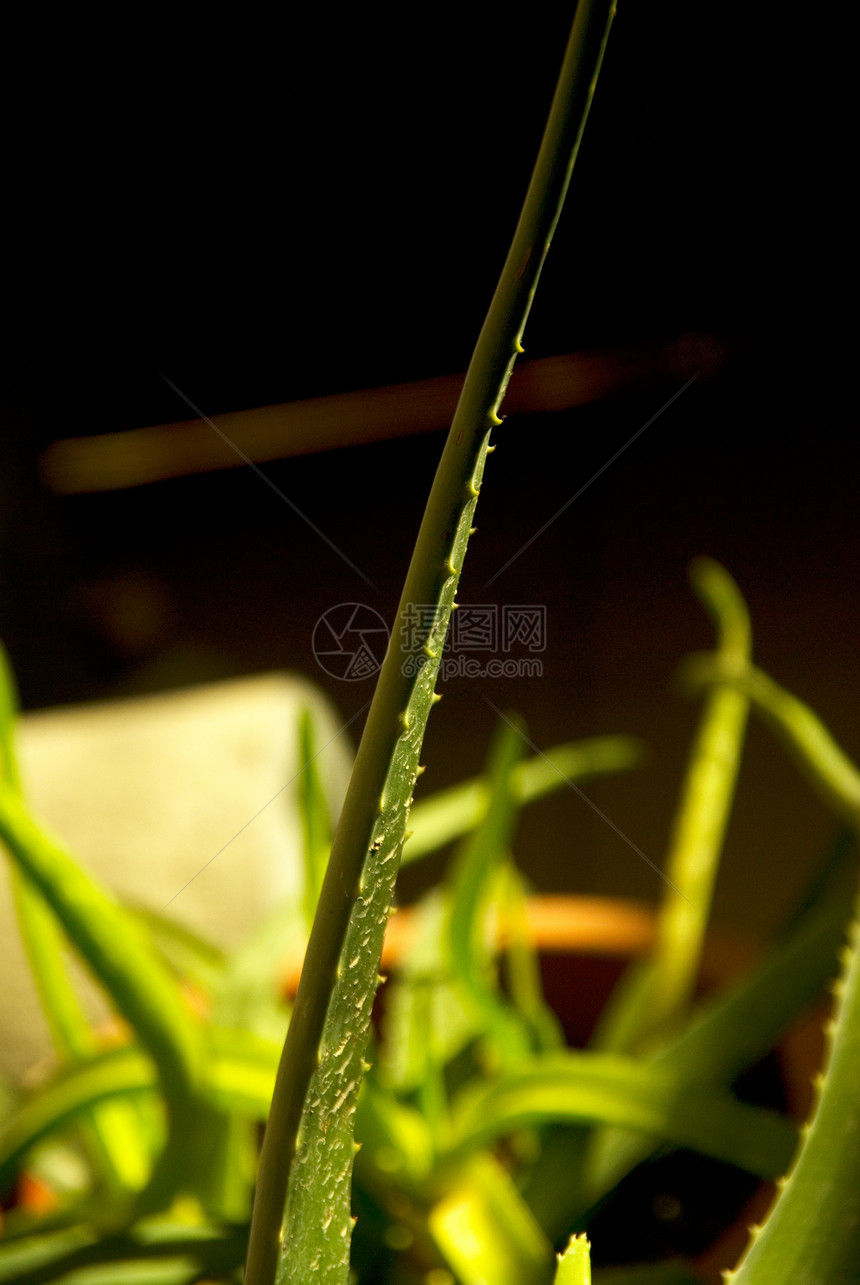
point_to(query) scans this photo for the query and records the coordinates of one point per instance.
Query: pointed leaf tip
(574, 1265)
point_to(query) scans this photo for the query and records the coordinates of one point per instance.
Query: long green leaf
(449, 814)
(522, 961)
(118, 954)
(472, 962)
(486, 1232)
(812, 1236)
(156, 1253)
(581, 1087)
(656, 993)
(700, 826)
(424, 1021)
(740, 1026)
(813, 1232)
(238, 1080)
(314, 814)
(115, 1143)
(301, 1224)
(187, 954)
(41, 937)
(76, 1090)
(831, 771)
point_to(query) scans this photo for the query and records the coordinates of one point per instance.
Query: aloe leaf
(314, 814)
(113, 1134)
(157, 1253)
(308, 1147)
(472, 958)
(40, 935)
(248, 991)
(813, 1232)
(830, 770)
(425, 1023)
(238, 1079)
(486, 1232)
(70, 1030)
(75, 1090)
(735, 1029)
(240, 1071)
(120, 957)
(654, 996)
(301, 1224)
(428, 1017)
(602, 1088)
(114, 948)
(23, 1257)
(397, 1143)
(451, 813)
(115, 1143)
(707, 796)
(574, 1265)
(8, 712)
(658, 992)
(426, 1026)
(812, 1235)
(189, 956)
(523, 964)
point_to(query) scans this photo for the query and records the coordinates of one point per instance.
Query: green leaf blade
(605, 1089)
(574, 1265)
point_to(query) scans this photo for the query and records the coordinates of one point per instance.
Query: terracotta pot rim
(561, 923)
(571, 924)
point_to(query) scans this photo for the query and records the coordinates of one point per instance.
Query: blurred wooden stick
(116, 461)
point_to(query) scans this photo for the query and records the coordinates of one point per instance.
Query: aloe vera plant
(486, 1144)
(462, 1064)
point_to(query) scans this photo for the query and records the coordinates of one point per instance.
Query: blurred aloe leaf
(574, 1265)
(449, 814)
(119, 1146)
(582, 1087)
(486, 1232)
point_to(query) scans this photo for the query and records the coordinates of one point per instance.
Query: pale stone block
(182, 802)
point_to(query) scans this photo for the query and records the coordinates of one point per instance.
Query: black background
(272, 204)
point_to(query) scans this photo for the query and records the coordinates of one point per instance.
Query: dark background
(274, 205)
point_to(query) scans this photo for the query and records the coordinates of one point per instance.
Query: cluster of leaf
(143, 1141)
(485, 1140)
